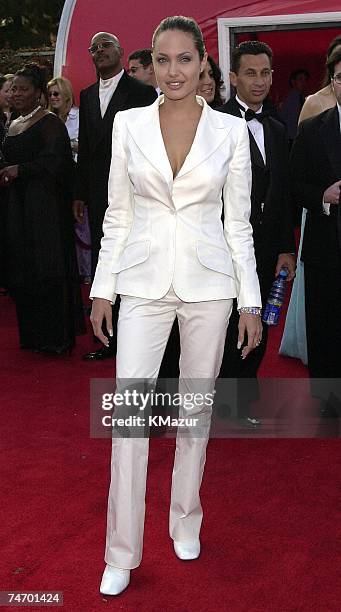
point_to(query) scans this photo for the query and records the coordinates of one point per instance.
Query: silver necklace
(24, 118)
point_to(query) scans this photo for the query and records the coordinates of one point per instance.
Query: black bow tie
(250, 114)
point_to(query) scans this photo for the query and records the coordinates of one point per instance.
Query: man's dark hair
(249, 47)
(144, 56)
(295, 73)
(334, 58)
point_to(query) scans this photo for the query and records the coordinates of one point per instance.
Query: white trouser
(143, 330)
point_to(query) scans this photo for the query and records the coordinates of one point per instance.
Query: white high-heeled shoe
(187, 551)
(114, 580)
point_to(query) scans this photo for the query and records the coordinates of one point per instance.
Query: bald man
(114, 91)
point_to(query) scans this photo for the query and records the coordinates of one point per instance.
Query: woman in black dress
(38, 177)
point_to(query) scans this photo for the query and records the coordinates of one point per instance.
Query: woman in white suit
(167, 254)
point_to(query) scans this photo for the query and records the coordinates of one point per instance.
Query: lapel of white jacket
(146, 132)
(211, 133)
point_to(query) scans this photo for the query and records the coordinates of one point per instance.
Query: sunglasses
(54, 94)
(103, 45)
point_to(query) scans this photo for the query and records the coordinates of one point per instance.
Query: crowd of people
(182, 204)
(79, 174)
(85, 187)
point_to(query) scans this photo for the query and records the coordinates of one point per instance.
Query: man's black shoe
(102, 353)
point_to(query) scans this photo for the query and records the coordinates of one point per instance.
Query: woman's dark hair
(184, 24)
(333, 44)
(2, 80)
(334, 58)
(336, 42)
(219, 83)
(36, 75)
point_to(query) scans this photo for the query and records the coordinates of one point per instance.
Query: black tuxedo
(273, 231)
(272, 223)
(94, 154)
(316, 164)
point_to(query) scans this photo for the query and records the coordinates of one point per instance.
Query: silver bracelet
(254, 310)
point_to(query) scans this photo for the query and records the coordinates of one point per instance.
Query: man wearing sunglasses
(114, 91)
(316, 169)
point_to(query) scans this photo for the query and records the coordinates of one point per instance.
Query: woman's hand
(101, 310)
(8, 175)
(252, 325)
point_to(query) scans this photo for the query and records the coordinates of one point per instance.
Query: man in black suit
(271, 206)
(114, 91)
(316, 170)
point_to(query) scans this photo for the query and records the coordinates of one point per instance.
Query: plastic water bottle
(276, 298)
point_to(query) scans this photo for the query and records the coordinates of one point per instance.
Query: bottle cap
(283, 273)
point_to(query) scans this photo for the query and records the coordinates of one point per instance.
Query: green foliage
(29, 23)
(11, 61)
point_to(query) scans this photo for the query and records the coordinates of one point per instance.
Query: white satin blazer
(161, 231)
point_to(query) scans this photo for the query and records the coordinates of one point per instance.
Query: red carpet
(272, 529)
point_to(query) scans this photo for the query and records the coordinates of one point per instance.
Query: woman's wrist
(254, 310)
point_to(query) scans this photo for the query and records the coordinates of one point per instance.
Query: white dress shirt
(72, 126)
(107, 89)
(72, 122)
(255, 127)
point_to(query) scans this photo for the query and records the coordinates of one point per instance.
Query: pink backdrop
(133, 22)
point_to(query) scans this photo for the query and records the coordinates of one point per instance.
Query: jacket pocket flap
(133, 254)
(215, 258)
